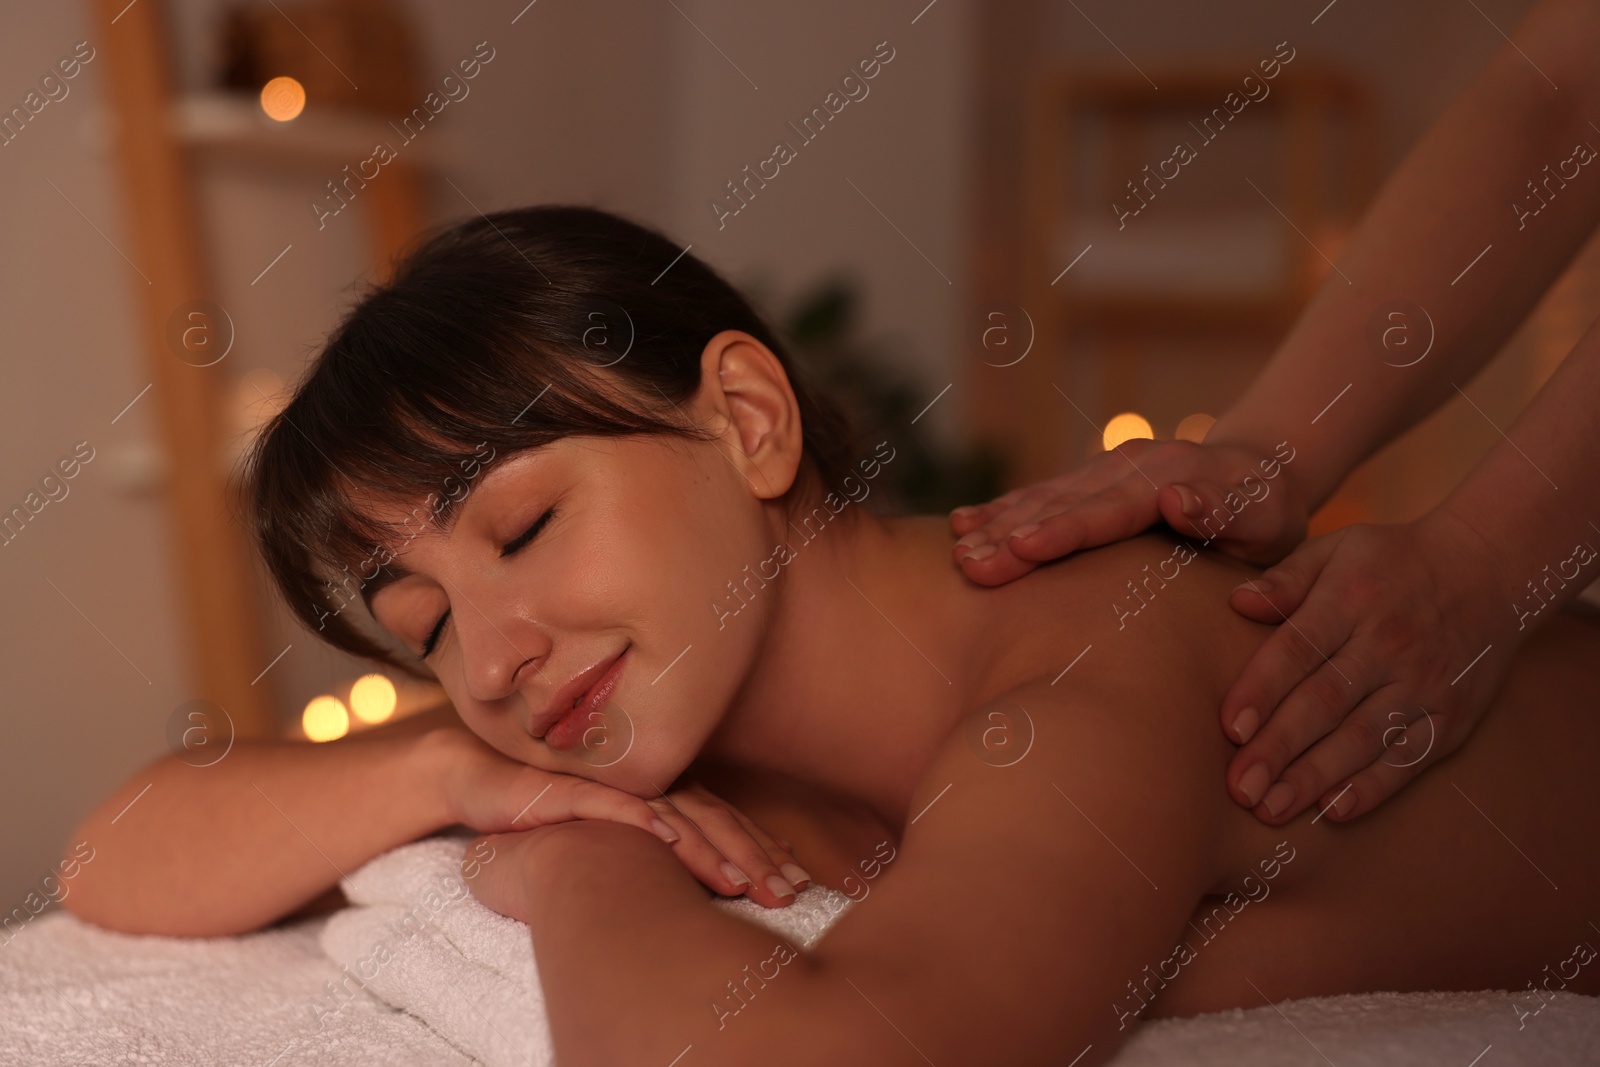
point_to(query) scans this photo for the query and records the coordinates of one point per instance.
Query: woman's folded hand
(1127, 490)
(720, 846)
(1393, 640)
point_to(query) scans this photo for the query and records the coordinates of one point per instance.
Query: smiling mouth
(566, 731)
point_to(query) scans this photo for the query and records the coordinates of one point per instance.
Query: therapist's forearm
(1451, 198)
(1535, 498)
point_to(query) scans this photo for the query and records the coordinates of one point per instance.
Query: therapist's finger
(1356, 741)
(1020, 509)
(1420, 745)
(1257, 529)
(1112, 514)
(1297, 649)
(969, 517)
(1280, 590)
(1311, 711)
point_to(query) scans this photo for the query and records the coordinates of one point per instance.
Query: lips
(571, 707)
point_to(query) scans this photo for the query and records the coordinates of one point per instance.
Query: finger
(1354, 744)
(1311, 711)
(1112, 514)
(1242, 522)
(780, 853)
(993, 565)
(1381, 780)
(971, 516)
(1280, 590)
(1024, 509)
(1298, 649)
(721, 853)
(569, 797)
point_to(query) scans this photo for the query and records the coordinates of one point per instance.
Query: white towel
(74, 995)
(418, 939)
(471, 977)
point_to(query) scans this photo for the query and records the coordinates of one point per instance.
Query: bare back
(1476, 876)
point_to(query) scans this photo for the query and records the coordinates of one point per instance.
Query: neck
(870, 656)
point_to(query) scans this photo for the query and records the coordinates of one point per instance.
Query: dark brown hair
(499, 334)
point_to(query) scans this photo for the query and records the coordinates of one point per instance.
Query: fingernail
(734, 874)
(1345, 802)
(795, 873)
(964, 510)
(1278, 798)
(1254, 782)
(1255, 585)
(1025, 529)
(663, 831)
(981, 552)
(1188, 503)
(972, 540)
(779, 887)
(1245, 723)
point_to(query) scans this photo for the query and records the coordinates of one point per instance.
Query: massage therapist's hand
(1375, 675)
(720, 846)
(1127, 490)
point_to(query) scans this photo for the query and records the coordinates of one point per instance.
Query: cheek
(662, 554)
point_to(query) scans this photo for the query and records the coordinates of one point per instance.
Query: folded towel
(418, 939)
(73, 994)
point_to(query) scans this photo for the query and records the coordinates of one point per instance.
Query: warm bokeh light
(325, 719)
(1125, 427)
(372, 698)
(1194, 427)
(283, 98)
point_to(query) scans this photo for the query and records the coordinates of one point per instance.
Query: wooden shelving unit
(160, 141)
(1208, 259)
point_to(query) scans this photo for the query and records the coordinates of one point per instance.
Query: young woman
(609, 516)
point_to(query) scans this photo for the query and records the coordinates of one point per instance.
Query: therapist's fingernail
(963, 511)
(795, 873)
(1278, 798)
(1344, 802)
(1025, 529)
(734, 874)
(1188, 503)
(779, 887)
(1255, 585)
(1245, 723)
(1254, 782)
(663, 831)
(981, 552)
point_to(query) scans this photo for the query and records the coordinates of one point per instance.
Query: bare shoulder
(1067, 826)
(1147, 615)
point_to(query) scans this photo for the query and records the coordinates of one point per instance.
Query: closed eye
(433, 638)
(510, 547)
(527, 535)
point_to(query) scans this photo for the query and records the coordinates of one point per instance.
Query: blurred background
(187, 212)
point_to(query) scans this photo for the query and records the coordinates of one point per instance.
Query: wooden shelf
(232, 125)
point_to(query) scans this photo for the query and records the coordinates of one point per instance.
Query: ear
(745, 396)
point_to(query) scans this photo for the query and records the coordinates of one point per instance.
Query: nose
(494, 645)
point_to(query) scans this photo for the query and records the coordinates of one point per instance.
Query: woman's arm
(1347, 378)
(1456, 195)
(227, 848)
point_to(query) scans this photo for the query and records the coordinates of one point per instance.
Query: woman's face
(633, 542)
